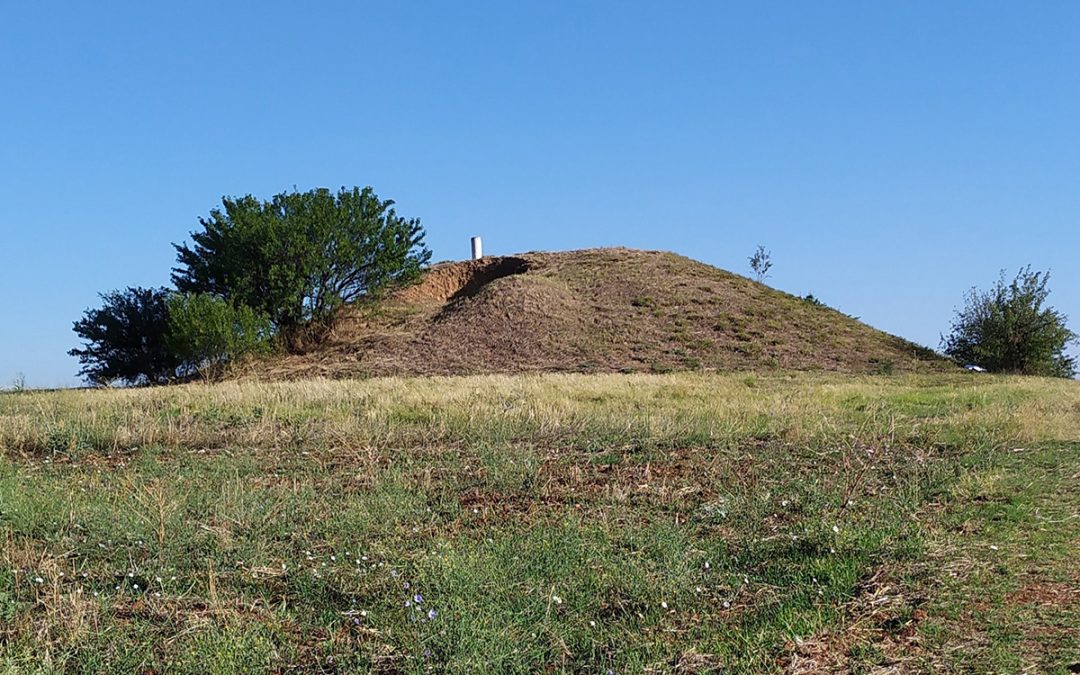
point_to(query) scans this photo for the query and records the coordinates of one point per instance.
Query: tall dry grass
(658, 410)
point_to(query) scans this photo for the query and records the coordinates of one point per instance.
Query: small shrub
(811, 300)
(884, 367)
(206, 332)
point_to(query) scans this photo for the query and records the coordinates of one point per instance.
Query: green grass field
(666, 523)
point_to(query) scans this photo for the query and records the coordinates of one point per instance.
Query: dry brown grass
(680, 409)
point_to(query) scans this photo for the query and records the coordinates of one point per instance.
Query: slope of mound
(595, 310)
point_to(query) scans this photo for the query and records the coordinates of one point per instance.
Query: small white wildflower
(664, 605)
(556, 599)
(992, 548)
(39, 580)
(727, 604)
(593, 624)
(836, 529)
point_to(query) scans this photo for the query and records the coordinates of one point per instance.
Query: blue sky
(891, 155)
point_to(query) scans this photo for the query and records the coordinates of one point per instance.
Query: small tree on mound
(124, 339)
(1008, 330)
(761, 263)
(301, 255)
(206, 332)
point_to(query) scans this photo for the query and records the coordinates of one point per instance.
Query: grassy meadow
(555, 523)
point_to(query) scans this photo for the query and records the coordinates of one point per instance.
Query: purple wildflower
(431, 614)
(418, 599)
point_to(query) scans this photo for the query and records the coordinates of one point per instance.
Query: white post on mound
(477, 248)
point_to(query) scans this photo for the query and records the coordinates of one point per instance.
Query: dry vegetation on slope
(599, 310)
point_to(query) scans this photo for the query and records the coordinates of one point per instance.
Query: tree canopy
(124, 339)
(300, 255)
(1009, 330)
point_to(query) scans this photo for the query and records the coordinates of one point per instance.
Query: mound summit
(595, 310)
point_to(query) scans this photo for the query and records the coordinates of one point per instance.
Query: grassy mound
(602, 310)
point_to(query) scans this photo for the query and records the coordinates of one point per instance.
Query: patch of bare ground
(596, 310)
(1047, 594)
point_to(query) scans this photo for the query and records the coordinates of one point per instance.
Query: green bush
(124, 339)
(206, 332)
(1008, 330)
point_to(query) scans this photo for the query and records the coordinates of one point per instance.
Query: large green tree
(301, 255)
(1008, 329)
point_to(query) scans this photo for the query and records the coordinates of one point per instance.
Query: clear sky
(891, 155)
